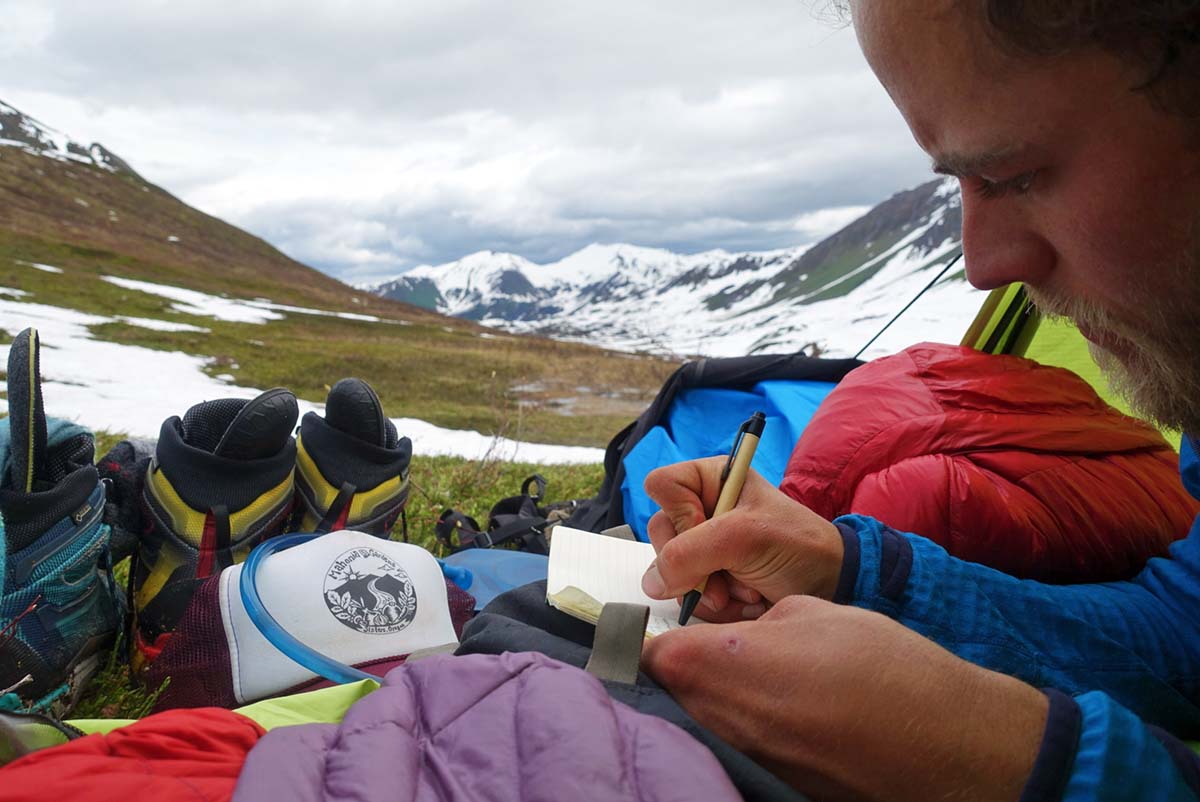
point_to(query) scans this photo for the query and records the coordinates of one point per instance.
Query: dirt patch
(579, 400)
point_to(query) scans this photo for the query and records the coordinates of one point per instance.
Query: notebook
(588, 570)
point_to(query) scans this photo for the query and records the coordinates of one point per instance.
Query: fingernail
(652, 583)
(707, 604)
(753, 610)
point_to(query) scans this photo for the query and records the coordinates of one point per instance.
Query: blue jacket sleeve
(1136, 641)
(1094, 750)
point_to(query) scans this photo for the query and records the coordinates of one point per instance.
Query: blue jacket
(1122, 658)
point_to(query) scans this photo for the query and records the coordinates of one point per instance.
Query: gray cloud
(368, 137)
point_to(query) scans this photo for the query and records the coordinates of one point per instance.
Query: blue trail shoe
(59, 609)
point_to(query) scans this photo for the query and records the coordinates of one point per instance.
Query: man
(858, 662)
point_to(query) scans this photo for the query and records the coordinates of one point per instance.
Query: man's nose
(999, 244)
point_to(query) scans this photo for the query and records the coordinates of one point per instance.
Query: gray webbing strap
(421, 654)
(622, 532)
(617, 649)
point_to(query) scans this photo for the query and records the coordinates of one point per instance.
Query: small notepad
(588, 570)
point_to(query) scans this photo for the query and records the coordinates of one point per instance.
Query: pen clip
(733, 452)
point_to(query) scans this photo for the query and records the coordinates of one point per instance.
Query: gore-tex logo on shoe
(81, 513)
(367, 591)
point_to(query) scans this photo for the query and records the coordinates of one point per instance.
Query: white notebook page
(608, 569)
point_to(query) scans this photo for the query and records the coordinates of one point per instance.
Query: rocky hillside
(55, 190)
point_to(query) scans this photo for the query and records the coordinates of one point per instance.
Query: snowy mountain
(829, 298)
(22, 131)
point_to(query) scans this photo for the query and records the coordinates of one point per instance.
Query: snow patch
(201, 304)
(39, 266)
(161, 325)
(130, 389)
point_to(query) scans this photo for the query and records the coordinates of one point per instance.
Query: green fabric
(994, 306)
(21, 734)
(91, 726)
(324, 706)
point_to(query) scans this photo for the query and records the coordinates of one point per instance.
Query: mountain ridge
(714, 303)
(21, 130)
(53, 188)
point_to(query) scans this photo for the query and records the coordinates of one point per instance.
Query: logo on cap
(367, 591)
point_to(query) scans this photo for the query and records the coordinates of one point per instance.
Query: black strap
(344, 497)
(540, 481)
(221, 529)
(516, 520)
(456, 530)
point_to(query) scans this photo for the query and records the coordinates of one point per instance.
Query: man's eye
(1019, 185)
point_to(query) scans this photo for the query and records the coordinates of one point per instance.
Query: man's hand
(843, 703)
(766, 548)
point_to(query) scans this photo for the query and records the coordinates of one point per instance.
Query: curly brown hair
(1160, 37)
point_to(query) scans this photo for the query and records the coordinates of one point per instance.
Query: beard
(1154, 364)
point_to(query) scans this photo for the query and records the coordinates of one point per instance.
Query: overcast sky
(366, 137)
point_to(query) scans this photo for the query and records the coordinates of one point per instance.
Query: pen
(732, 479)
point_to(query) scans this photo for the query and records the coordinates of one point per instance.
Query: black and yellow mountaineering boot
(221, 482)
(351, 467)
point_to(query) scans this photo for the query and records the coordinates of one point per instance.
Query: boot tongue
(26, 416)
(243, 430)
(353, 408)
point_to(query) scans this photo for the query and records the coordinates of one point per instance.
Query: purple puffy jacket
(485, 728)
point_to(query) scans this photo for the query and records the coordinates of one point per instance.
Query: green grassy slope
(428, 366)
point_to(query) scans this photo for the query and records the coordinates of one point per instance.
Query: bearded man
(862, 663)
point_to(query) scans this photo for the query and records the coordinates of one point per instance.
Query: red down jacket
(177, 756)
(999, 459)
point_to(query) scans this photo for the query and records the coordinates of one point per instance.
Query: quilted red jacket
(999, 459)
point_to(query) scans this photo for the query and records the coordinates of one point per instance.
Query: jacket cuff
(1186, 761)
(876, 565)
(1120, 757)
(850, 561)
(1056, 756)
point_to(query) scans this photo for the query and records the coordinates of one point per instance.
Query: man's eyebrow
(961, 165)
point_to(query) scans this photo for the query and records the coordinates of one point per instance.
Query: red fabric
(208, 548)
(185, 755)
(999, 459)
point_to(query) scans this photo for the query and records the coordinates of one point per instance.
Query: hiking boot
(59, 609)
(219, 484)
(351, 467)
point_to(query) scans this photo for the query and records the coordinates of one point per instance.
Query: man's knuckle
(675, 660)
(797, 604)
(670, 562)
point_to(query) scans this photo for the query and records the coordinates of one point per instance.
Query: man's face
(1072, 183)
